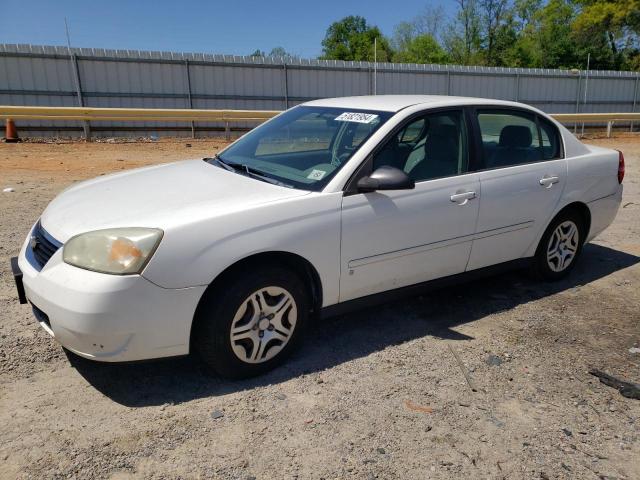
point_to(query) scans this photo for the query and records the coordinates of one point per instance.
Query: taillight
(620, 166)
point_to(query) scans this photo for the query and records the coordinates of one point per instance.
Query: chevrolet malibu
(332, 204)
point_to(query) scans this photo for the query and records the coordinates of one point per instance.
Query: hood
(160, 196)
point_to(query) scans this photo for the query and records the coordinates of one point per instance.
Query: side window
(509, 138)
(412, 133)
(432, 146)
(550, 140)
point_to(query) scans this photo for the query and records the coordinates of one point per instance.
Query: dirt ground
(375, 394)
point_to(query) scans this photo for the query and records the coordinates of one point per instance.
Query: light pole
(375, 65)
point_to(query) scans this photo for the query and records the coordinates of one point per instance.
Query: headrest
(515, 136)
(442, 143)
(449, 131)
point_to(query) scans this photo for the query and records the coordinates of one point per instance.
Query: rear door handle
(461, 198)
(548, 181)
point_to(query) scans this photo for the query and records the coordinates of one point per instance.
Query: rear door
(392, 239)
(522, 176)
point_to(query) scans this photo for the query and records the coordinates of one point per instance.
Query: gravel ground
(375, 394)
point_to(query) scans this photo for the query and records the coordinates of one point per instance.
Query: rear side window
(512, 138)
(550, 140)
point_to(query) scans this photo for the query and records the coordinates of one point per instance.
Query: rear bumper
(108, 317)
(603, 212)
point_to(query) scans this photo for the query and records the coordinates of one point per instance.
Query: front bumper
(17, 278)
(108, 318)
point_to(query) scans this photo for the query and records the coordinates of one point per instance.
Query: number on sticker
(356, 117)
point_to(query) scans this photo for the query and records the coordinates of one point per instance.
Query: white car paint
(144, 196)
(387, 238)
(514, 209)
(358, 244)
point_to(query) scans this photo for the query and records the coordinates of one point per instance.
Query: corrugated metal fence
(55, 76)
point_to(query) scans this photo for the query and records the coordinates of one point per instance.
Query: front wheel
(252, 323)
(559, 247)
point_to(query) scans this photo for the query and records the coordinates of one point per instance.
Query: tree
(282, 53)
(562, 33)
(430, 21)
(553, 40)
(512, 33)
(496, 19)
(278, 52)
(403, 34)
(353, 39)
(275, 52)
(422, 49)
(613, 25)
(524, 11)
(462, 39)
(614, 15)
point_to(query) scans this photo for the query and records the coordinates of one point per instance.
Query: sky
(229, 27)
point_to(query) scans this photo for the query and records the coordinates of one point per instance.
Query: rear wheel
(253, 324)
(560, 247)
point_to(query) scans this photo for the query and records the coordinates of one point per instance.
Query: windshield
(304, 147)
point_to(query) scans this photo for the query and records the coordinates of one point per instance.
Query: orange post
(11, 134)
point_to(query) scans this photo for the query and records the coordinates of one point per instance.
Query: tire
(560, 247)
(253, 322)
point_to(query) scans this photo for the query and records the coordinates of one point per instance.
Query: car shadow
(347, 337)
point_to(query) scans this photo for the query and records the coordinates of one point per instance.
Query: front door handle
(548, 180)
(461, 198)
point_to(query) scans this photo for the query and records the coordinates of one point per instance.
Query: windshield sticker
(316, 174)
(356, 117)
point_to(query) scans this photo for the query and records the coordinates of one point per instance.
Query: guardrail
(226, 116)
(135, 114)
(609, 118)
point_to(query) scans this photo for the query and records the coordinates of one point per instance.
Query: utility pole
(586, 84)
(75, 71)
(375, 65)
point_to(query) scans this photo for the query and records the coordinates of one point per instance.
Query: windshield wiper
(258, 174)
(222, 163)
(245, 169)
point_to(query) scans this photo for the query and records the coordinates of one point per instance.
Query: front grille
(42, 246)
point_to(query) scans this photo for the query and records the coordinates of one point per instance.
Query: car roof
(395, 103)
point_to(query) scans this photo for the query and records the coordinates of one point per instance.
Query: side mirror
(385, 178)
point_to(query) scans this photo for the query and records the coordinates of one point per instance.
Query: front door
(392, 239)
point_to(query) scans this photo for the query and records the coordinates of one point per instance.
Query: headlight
(118, 251)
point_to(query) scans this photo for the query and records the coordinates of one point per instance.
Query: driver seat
(394, 154)
(440, 154)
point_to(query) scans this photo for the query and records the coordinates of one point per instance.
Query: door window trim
(556, 130)
(365, 168)
(474, 110)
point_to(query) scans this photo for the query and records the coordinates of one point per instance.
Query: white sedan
(331, 204)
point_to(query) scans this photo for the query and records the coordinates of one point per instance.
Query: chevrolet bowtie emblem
(33, 242)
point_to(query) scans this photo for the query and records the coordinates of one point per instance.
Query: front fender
(308, 226)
